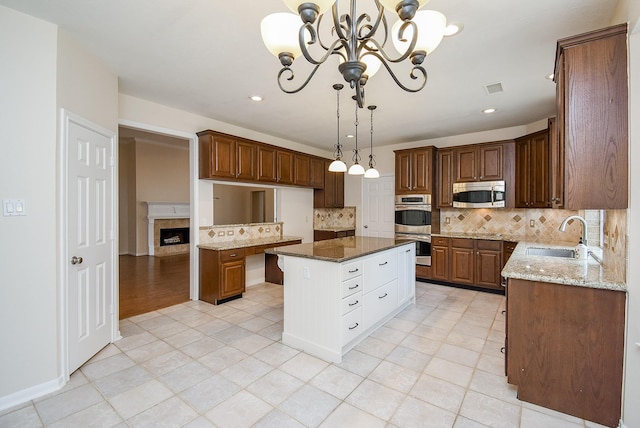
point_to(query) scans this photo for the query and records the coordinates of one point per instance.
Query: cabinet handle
(354, 303)
(382, 297)
(351, 328)
(353, 271)
(233, 255)
(502, 350)
(354, 287)
(504, 311)
(382, 264)
(407, 251)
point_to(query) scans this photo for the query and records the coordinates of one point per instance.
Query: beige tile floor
(436, 364)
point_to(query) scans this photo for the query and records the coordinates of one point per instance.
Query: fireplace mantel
(164, 211)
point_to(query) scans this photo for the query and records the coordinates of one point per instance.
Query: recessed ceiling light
(489, 110)
(349, 135)
(453, 28)
(255, 98)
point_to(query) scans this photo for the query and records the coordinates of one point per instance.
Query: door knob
(365, 226)
(76, 260)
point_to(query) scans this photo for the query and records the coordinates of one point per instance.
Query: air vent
(493, 88)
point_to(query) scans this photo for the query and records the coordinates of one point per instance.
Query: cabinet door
(223, 154)
(247, 162)
(488, 268)
(445, 179)
(403, 172)
(440, 263)
(490, 167)
(267, 163)
(301, 169)
(466, 164)
(556, 165)
(421, 170)
(539, 171)
(284, 167)
(316, 172)
(462, 265)
(522, 173)
(231, 278)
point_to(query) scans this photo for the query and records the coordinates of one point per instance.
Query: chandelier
(358, 40)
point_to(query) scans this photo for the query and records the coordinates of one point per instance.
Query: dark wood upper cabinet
(332, 194)
(301, 170)
(479, 163)
(415, 170)
(316, 172)
(217, 155)
(267, 163)
(592, 98)
(444, 188)
(246, 153)
(532, 171)
(285, 166)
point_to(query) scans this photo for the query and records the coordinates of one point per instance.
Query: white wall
(42, 70)
(28, 296)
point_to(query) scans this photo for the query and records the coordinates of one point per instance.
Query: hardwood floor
(149, 283)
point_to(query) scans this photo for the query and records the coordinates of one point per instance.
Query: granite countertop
(335, 229)
(583, 273)
(244, 243)
(340, 249)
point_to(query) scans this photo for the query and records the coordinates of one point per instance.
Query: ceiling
(207, 57)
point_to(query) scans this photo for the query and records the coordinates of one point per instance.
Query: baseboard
(31, 393)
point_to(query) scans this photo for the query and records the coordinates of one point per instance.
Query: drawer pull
(355, 326)
(354, 287)
(382, 264)
(354, 303)
(382, 297)
(354, 271)
(233, 255)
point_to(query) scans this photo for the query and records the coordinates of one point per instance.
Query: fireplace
(174, 236)
(168, 231)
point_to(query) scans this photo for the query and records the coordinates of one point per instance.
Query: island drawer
(352, 325)
(352, 302)
(351, 270)
(380, 269)
(351, 286)
(380, 303)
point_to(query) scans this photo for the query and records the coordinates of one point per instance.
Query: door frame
(66, 118)
(194, 207)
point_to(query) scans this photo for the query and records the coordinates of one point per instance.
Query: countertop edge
(248, 243)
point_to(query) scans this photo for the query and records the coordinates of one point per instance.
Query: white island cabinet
(339, 291)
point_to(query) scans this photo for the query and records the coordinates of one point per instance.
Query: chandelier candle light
(358, 40)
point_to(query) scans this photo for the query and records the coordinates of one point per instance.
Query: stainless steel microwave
(479, 194)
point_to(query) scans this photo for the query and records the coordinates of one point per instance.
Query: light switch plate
(13, 207)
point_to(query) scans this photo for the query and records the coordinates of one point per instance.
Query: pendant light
(372, 172)
(356, 168)
(338, 165)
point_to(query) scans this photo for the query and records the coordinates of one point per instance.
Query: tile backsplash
(539, 225)
(329, 218)
(239, 232)
(614, 249)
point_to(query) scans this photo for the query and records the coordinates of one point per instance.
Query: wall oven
(413, 221)
(413, 214)
(479, 194)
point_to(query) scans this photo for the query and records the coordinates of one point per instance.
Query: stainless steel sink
(551, 252)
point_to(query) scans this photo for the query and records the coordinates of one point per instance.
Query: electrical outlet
(532, 223)
(447, 220)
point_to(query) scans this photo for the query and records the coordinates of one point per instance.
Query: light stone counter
(243, 243)
(340, 249)
(583, 273)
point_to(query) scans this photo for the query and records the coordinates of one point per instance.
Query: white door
(378, 206)
(90, 240)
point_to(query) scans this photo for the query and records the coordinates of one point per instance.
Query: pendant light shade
(337, 166)
(356, 169)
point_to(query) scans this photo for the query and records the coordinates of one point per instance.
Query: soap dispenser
(582, 251)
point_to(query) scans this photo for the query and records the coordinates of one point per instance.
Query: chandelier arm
(339, 29)
(412, 74)
(382, 55)
(329, 50)
(291, 77)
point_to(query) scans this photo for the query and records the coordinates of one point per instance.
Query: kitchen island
(339, 291)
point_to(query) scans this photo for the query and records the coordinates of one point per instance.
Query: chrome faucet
(563, 226)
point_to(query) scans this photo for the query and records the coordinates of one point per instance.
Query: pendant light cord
(356, 152)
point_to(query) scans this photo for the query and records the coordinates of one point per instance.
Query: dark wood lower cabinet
(566, 347)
